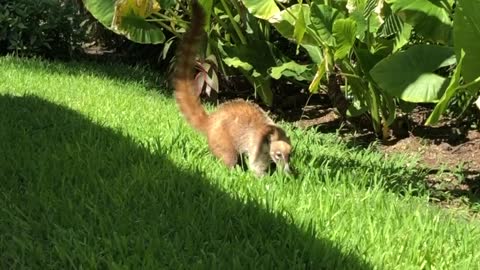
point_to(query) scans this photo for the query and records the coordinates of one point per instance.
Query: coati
(236, 127)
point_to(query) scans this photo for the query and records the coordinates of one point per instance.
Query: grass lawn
(98, 170)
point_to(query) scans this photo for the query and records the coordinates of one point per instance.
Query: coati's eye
(278, 155)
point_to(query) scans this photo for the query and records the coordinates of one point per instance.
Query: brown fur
(236, 127)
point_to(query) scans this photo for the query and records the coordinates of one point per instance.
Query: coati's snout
(280, 154)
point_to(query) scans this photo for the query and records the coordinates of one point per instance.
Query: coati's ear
(271, 133)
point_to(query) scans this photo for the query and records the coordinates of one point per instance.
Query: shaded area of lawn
(76, 194)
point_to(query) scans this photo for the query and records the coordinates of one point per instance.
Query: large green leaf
(259, 81)
(139, 30)
(300, 28)
(323, 18)
(374, 104)
(102, 10)
(409, 74)
(141, 8)
(286, 24)
(402, 38)
(129, 22)
(362, 12)
(396, 27)
(286, 20)
(367, 60)
(237, 63)
(344, 33)
(429, 17)
(318, 21)
(467, 37)
(263, 9)
(293, 69)
(208, 8)
(315, 53)
(451, 89)
(254, 65)
(392, 25)
(249, 53)
(361, 24)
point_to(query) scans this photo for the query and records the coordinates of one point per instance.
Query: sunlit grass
(98, 170)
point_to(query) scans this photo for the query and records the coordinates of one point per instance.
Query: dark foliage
(51, 28)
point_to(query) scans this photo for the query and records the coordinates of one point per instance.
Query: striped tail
(188, 102)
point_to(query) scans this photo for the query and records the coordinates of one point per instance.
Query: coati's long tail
(188, 102)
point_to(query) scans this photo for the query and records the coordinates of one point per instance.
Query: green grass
(98, 170)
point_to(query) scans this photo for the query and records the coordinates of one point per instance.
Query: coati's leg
(222, 147)
(259, 160)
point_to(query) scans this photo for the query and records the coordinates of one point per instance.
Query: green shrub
(50, 28)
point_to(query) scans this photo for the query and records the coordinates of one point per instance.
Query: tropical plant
(373, 56)
(466, 29)
(150, 22)
(139, 21)
(234, 37)
(380, 53)
(328, 35)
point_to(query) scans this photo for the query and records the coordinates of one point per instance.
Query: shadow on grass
(117, 72)
(75, 194)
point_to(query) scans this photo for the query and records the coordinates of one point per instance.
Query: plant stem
(234, 23)
(351, 76)
(176, 19)
(477, 80)
(166, 27)
(447, 6)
